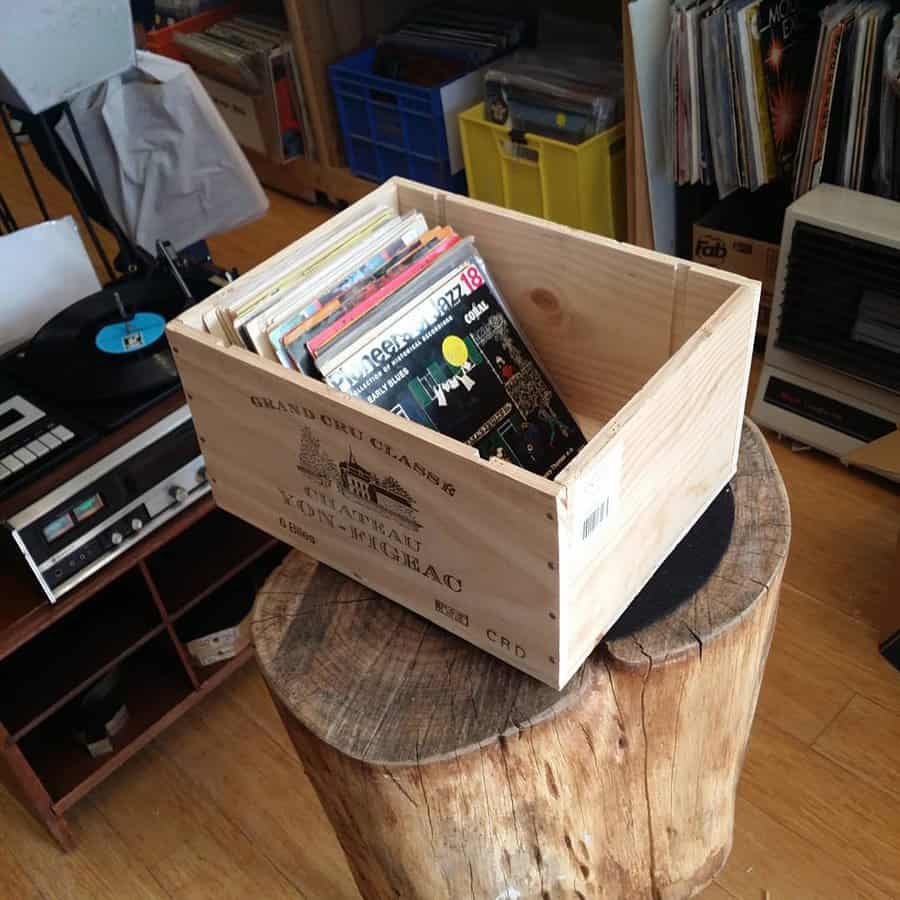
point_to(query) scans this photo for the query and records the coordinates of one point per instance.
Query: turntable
(90, 369)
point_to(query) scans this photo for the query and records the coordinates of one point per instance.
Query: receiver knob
(116, 538)
(137, 524)
(178, 493)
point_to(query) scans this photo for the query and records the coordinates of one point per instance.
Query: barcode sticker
(596, 497)
(595, 518)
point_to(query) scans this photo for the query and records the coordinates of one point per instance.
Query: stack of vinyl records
(887, 165)
(254, 54)
(543, 92)
(775, 89)
(408, 317)
(738, 81)
(839, 129)
(438, 44)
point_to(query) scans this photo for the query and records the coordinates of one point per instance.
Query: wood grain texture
(848, 523)
(755, 558)
(657, 505)
(105, 871)
(844, 817)
(715, 892)
(313, 869)
(769, 856)
(323, 32)
(828, 653)
(864, 739)
(200, 853)
(504, 787)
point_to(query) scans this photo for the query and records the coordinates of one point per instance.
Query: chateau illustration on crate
(385, 496)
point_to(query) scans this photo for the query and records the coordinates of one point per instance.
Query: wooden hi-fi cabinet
(127, 615)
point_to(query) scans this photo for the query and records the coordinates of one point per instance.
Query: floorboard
(864, 739)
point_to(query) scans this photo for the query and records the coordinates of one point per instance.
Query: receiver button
(24, 455)
(12, 463)
(37, 448)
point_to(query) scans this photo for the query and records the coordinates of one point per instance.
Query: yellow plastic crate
(582, 185)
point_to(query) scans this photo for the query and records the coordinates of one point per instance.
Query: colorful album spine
(761, 110)
(452, 360)
(276, 335)
(823, 115)
(370, 266)
(294, 342)
(406, 275)
(788, 33)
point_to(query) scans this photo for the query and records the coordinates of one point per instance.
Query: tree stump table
(448, 774)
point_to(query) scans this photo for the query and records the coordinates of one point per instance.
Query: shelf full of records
(760, 90)
(247, 66)
(408, 317)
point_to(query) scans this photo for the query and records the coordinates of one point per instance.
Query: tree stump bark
(448, 774)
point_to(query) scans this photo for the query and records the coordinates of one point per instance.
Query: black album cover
(788, 37)
(453, 361)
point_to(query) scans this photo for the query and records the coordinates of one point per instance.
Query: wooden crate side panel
(677, 446)
(469, 545)
(599, 317)
(698, 294)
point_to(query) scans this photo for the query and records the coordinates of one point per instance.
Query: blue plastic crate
(393, 128)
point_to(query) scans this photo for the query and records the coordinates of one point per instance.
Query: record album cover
(788, 34)
(453, 361)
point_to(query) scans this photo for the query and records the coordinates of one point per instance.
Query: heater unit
(831, 377)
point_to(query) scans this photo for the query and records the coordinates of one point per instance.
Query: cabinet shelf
(154, 684)
(197, 562)
(66, 657)
(124, 619)
(226, 608)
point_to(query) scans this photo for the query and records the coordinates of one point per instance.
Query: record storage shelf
(126, 615)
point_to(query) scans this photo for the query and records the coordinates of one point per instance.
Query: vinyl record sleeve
(454, 362)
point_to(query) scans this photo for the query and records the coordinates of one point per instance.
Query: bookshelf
(325, 31)
(126, 616)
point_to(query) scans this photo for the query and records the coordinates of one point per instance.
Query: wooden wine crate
(651, 354)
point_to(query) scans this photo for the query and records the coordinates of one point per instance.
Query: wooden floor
(218, 807)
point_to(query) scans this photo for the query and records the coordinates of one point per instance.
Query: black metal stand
(7, 220)
(23, 163)
(129, 252)
(67, 177)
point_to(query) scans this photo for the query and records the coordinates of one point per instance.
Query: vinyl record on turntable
(108, 346)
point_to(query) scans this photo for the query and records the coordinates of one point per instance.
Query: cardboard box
(881, 456)
(742, 234)
(651, 354)
(250, 117)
